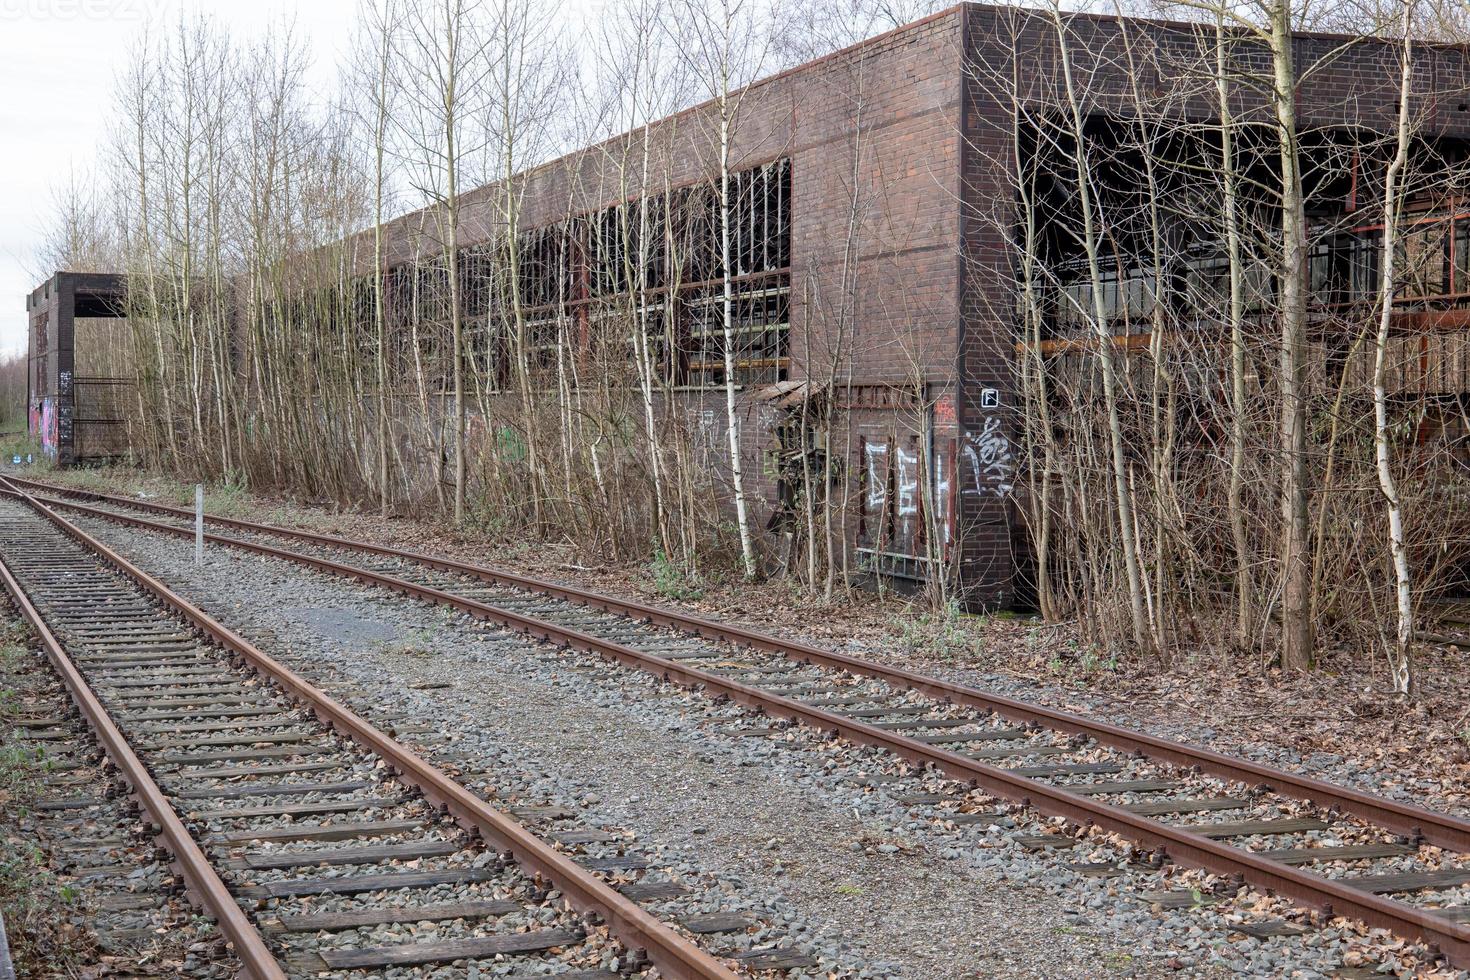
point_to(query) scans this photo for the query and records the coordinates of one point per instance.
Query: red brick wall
(900, 164)
(1343, 86)
(872, 132)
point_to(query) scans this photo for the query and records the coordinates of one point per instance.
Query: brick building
(875, 194)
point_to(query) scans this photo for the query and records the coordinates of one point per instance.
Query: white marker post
(199, 524)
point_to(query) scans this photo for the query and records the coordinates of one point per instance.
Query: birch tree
(373, 80)
(726, 50)
(1393, 179)
(445, 66)
(1123, 494)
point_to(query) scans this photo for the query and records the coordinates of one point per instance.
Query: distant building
(78, 370)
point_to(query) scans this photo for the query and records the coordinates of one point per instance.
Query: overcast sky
(58, 59)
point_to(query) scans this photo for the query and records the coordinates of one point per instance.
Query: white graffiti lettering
(908, 482)
(877, 454)
(988, 454)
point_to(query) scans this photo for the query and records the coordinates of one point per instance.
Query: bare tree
(1400, 655)
(445, 68)
(373, 72)
(726, 50)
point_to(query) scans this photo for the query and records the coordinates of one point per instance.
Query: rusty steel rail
(209, 892)
(1442, 829)
(1180, 844)
(674, 955)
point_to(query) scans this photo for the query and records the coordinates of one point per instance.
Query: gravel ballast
(791, 824)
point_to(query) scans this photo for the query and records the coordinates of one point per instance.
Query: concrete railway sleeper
(293, 852)
(1387, 864)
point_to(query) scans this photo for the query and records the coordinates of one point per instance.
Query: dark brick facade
(901, 180)
(902, 161)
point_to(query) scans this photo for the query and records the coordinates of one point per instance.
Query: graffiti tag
(988, 456)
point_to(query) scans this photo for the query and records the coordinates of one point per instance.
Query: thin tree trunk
(1297, 628)
(1121, 490)
(1399, 656)
(1244, 591)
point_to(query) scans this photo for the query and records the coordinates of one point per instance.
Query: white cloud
(58, 61)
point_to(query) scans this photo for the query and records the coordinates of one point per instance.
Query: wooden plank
(270, 789)
(246, 755)
(787, 690)
(919, 724)
(653, 891)
(954, 738)
(883, 712)
(1016, 752)
(356, 884)
(775, 959)
(346, 830)
(184, 677)
(333, 921)
(80, 803)
(280, 721)
(295, 809)
(128, 901)
(230, 772)
(1085, 768)
(50, 734)
(1409, 881)
(587, 837)
(212, 710)
(216, 701)
(963, 819)
(1157, 808)
(1179, 899)
(540, 812)
(1270, 928)
(838, 702)
(106, 665)
(620, 862)
(1252, 828)
(364, 854)
(704, 925)
(1040, 842)
(1123, 786)
(479, 948)
(145, 658)
(1095, 869)
(1355, 852)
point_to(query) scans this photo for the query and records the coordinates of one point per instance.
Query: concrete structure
(76, 377)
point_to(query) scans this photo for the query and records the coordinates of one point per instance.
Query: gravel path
(785, 824)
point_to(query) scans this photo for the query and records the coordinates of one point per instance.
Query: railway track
(298, 826)
(1387, 864)
(69, 804)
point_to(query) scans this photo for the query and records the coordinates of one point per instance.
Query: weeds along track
(1325, 847)
(316, 842)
